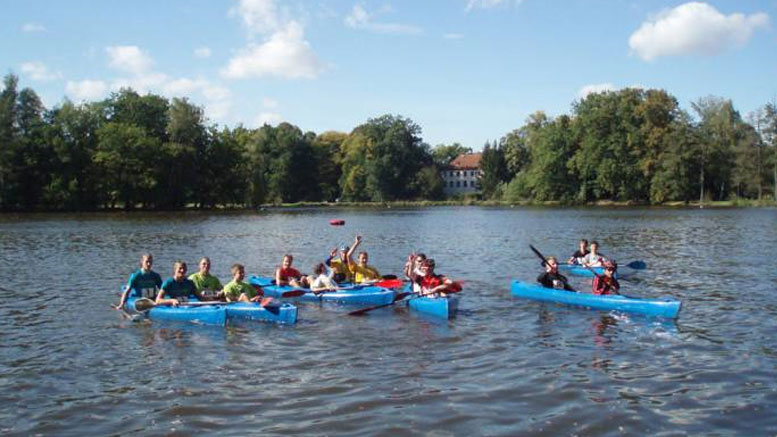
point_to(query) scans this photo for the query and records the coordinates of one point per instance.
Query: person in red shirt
(431, 283)
(288, 275)
(607, 284)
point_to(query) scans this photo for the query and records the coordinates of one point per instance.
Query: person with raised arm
(430, 283)
(339, 264)
(362, 272)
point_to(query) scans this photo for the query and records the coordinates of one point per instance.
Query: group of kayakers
(587, 256)
(338, 268)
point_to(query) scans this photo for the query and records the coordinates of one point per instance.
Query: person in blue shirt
(143, 283)
(178, 289)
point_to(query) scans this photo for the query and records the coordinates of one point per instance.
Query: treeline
(145, 151)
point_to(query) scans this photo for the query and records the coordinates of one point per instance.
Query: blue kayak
(578, 270)
(442, 306)
(221, 313)
(352, 295)
(667, 308)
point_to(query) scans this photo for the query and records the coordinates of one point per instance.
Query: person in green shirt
(208, 286)
(239, 291)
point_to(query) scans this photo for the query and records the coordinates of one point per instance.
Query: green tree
(328, 157)
(718, 130)
(493, 170)
(443, 155)
(8, 135)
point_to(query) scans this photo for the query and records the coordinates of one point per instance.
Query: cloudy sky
(466, 71)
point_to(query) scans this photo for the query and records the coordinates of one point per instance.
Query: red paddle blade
(266, 301)
(390, 283)
(293, 293)
(454, 288)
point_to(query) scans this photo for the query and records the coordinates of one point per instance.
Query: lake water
(70, 365)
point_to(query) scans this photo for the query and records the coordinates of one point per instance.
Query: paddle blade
(637, 265)
(390, 283)
(144, 304)
(454, 288)
(293, 293)
(274, 309)
(389, 277)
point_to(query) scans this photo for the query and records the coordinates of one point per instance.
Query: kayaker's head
(594, 247)
(583, 245)
(287, 260)
(146, 261)
(344, 251)
(363, 258)
(419, 259)
(610, 267)
(205, 265)
(551, 264)
(179, 270)
(427, 267)
(238, 272)
(319, 269)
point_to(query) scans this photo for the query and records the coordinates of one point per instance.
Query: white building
(462, 176)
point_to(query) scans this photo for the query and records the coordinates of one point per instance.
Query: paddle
(454, 288)
(600, 277)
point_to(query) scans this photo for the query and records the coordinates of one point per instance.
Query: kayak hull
(203, 315)
(578, 270)
(444, 307)
(666, 308)
(285, 313)
(358, 295)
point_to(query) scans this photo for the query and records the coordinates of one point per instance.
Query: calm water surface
(69, 365)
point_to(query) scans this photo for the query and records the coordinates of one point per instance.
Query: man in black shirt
(552, 278)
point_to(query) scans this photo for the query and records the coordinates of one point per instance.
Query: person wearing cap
(430, 283)
(607, 284)
(361, 271)
(339, 264)
(551, 278)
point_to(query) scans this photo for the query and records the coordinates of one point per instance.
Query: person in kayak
(144, 282)
(580, 253)
(361, 271)
(288, 275)
(607, 284)
(593, 258)
(429, 283)
(413, 267)
(321, 280)
(208, 286)
(178, 289)
(238, 291)
(339, 264)
(551, 278)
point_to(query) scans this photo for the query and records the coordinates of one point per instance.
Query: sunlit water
(69, 365)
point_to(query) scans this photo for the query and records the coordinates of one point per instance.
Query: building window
(472, 173)
(458, 184)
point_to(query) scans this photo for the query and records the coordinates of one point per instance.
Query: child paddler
(143, 283)
(593, 258)
(238, 291)
(429, 283)
(413, 267)
(552, 278)
(339, 264)
(362, 272)
(580, 253)
(208, 286)
(178, 289)
(288, 275)
(607, 284)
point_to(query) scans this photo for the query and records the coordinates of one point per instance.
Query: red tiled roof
(467, 161)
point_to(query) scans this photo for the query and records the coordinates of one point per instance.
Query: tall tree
(493, 170)
(444, 154)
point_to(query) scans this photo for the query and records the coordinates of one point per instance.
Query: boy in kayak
(339, 264)
(178, 289)
(580, 253)
(607, 284)
(237, 290)
(143, 283)
(321, 280)
(594, 258)
(552, 278)
(288, 275)
(208, 286)
(413, 267)
(361, 271)
(431, 284)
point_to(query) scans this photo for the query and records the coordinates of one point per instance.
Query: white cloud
(595, 88)
(359, 18)
(33, 28)
(452, 36)
(285, 54)
(694, 28)
(258, 16)
(270, 118)
(487, 4)
(37, 70)
(202, 52)
(269, 103)
(86, 90)
(129, 59)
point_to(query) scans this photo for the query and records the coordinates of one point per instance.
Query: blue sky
(466, 71)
